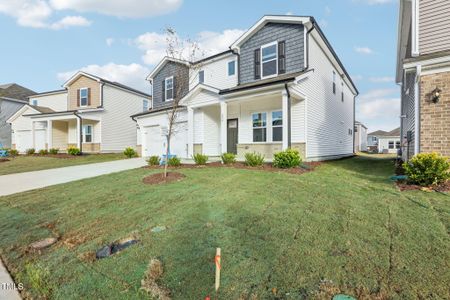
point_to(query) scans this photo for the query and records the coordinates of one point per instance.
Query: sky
(44, 42)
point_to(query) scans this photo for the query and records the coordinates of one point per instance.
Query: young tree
(185, 53)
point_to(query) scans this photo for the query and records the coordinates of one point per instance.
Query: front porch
(250, 122)
(64, 131)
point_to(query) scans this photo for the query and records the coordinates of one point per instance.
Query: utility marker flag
(217, 261)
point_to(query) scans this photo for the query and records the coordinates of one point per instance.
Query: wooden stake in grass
(217, 260)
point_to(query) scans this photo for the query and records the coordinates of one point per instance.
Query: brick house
(423, 71)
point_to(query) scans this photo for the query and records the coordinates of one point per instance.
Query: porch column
(33, 138)
(285, 111)
(49, 134)
(190, 116)
(223, 126)
(78, 133)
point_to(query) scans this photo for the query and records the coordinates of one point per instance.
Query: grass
(341, 228)
(25, 163)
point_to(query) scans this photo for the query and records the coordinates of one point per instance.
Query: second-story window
(201, 76)
(269, 59)
(169, 88)
(342, 92)
(34, 102)
(334, 82)
(84, 97)
(231, 68)
(145, 105)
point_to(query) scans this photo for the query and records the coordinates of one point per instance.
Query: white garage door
(40, 138)
(155, 142)
(24, 140)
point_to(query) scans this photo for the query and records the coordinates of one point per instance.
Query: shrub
(228, 158)
(130, 152)
(13, 152)
(30, 151)
(174, 162)
(53, 151)
(43, 152)
(153, 160)
(200, 159)
(427, 169)
(289, 158)
(73, 151)
(254, 159)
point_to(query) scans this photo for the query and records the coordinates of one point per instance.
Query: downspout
(313, 22)
(81, 131)
(417, 110)
(288, 121)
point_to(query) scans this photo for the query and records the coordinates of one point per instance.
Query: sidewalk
(6, 293)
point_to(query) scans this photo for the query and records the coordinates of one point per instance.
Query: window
(391, 144)
(84, 97)
(259, 127)
(356, 129)
(342, 92)
(277, 126)
(334, 82)
(269, 59)
(169, 88)
(374, 138)
(231, 68)
(145, 105)
(201, 76)
(87, 133)
(34, 102)
(397, 144)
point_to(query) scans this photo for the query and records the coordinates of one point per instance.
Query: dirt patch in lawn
(306, 167)
(3, 160)
(150, 282)
(443, 188)
(159, 178)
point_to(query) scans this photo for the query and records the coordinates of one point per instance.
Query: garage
(156, 142)
(23, 140)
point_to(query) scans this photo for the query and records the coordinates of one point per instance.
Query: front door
(232, 135)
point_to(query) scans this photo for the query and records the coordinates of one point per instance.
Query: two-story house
(281, 85)
(90, 113)
(423, 71)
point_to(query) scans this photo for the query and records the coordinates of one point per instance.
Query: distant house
(360, 137)
(90, 113)
(384, 141)
(423, 71)
(12, 98)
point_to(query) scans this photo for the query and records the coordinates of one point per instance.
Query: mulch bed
(307, 167)
(443, 188)
(3, 160)
(159, 178)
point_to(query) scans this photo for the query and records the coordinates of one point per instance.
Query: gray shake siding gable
(292, 34)
(7, 109)
(181, 72)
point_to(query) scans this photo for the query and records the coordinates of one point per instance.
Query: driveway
(21, 182)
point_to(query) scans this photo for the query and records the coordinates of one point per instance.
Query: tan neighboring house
(423, 71)
(90, 113)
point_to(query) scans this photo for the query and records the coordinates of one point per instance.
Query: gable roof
(395, 132)
(102, 80)
(14, 100)
(22, 110)
(15, 91)
(163, 62)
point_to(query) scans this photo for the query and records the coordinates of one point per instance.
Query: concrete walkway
(21, 182)
(6, 284)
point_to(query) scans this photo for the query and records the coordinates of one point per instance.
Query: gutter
(417, 110)
(288, 121)
(313, 23)
(81, 131)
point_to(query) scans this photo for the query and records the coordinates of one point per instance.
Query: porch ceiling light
(436, 95)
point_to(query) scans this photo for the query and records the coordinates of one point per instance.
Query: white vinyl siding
(216, 74)
(328, 119)
(211, 123)
(57, 102)
(198, 126)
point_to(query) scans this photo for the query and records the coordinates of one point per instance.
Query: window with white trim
(269, 60)
(87, 133)
(277, 126)
(397, 145)
(231, 68)
(201, 76)
(259, 121)
(334, 82)
(169, 88)
(84, 95)
(34, 102)
(391, 144)
(342, 92)
(145, 105)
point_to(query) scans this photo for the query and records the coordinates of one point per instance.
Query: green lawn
(281, 235)
(25, 163)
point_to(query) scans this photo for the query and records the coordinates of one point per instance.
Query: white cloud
(327, 10)
(376, 2)
(357, 77)
(120, 8)
(110, 41)
(379, 109)
(364, 50)
(37, 14)
(154, 44)
(323, 23)
(385, 79)
(132, 75)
